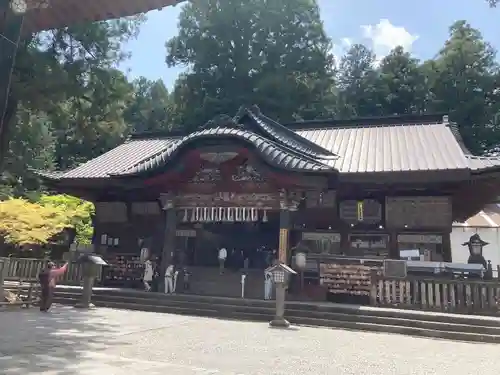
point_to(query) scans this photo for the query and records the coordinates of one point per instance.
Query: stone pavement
(105, 341)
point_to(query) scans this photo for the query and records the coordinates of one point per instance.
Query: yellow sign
(360, 211)
(283, 245)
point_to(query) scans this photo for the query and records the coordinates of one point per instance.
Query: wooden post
(167, 201)
(4, 264)
(284, 227)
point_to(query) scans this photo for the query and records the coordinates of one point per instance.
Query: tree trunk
(5, 130)
(10, 30)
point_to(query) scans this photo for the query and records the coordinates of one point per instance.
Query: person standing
(148, 275)
(268, 285)
(186, 275)
(222, 259)
(169, 279)
(47, 278)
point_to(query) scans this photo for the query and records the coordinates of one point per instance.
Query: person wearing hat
(47, 278)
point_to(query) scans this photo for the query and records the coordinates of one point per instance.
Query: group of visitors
(236, 260)
(151, 278)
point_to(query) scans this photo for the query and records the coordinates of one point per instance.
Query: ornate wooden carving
(228, 199)
(207, 175)
(246, 173)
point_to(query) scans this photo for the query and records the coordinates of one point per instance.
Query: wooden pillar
(285, 224)
(170, 229)
(393, 245)
(447, 247)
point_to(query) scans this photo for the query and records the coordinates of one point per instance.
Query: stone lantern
(280, 273)
(91, 266)
(476, 245)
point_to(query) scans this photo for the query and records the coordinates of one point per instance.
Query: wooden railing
(457, 295)
(27, 270)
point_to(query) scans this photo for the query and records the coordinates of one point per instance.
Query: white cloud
(384, 36)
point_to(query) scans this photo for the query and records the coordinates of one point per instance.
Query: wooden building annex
(363, 188)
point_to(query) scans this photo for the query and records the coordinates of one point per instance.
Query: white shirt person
(222, 259)
(169, 279)
(148, 275)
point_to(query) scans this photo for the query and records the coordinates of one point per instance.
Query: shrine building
(360, 188)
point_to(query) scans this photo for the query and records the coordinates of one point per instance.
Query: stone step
(230, 312)
(269, 309)
(304, 307)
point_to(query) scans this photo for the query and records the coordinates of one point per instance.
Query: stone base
(85, 306)
(281, 323)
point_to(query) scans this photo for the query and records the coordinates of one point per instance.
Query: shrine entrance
(251, 244)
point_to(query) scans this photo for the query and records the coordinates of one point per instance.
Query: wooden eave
(64, 13)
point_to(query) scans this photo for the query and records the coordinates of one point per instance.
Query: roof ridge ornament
(221, 121)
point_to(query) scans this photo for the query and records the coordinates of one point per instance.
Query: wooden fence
(473, 296)
(27, 270)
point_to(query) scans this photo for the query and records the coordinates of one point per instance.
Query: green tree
(462, 83)
(273, 53)
(59, 70)
(358, 84)
(77, 211)
(402, 84)
(151, 107)
(31, 147)
(26, 223)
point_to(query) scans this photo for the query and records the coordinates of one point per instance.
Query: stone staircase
(209, 282)
(409, 322)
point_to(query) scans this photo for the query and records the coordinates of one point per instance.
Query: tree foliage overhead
(72, 104)
(26, 223)
(78, 212)
(271, 53)
(35, 223)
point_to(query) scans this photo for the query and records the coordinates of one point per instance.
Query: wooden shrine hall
(362, 188)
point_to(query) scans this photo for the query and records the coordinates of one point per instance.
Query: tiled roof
(390, 148)
(277, 154)
(355, 148)
(481, 163)
(120, 158)
(487, 218)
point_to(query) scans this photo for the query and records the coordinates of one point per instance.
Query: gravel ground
(105, 341)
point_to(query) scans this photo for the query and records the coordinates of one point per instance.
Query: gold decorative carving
(247, 173)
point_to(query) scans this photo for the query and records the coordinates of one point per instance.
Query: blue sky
(421, 26)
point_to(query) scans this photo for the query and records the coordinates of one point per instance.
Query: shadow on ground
(57, 342)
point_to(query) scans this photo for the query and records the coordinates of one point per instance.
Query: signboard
(369, 241)
(319, 236)
(185, 233)
(420, 238)
(418, 212)
(145, 208)
(395, 268)
(111, 212)
(350, 279)
(368, 211)
(283, 245)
